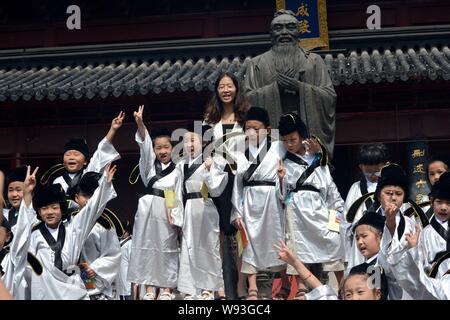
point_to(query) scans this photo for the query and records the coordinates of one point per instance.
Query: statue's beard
(287, 56)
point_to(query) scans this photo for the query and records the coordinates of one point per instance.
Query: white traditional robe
(260, 208)
(200, 260)
(394, 246)
(124, 286)
(54, 284)
(101, 251)
(104, 154)
(154, 252)
(308, 212)
(416, 263)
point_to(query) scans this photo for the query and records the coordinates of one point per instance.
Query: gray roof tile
(123, 77)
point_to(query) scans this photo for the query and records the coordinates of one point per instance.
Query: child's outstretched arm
(106, 153)
(147, 155)
(286, 255)
(115, 125)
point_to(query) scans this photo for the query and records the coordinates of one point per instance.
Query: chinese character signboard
(418, 155)
(312, 19)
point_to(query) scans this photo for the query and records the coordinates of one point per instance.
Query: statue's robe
(314, 103)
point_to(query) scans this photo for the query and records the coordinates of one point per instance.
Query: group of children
(61, 242)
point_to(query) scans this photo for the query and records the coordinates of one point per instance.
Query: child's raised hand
(281, 170)
(110, 172)
(391, 210)
(284, 253)
(118, 121)
(208, 163)
(139, 115)
(30, 180)
(313, 146)
(411, 238)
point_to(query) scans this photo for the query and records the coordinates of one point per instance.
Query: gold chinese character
(419, 168)
(302, 11)
(420, 184)
(419, 198)
(303, 26)
(418, 153)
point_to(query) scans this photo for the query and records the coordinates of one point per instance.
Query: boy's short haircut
(373, 154)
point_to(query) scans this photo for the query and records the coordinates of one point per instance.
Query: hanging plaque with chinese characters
(417, 162)
(312, 21)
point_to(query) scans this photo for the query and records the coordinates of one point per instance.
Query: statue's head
(284, 29)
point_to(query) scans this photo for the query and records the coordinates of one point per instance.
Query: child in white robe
(309, 194)
(56, 245)
(257, 208)
(372, 158)
(154, 252)
(200, 273)
(428, 258)
(14, 189)
(392, 191)
(76, 155)
(101, 255)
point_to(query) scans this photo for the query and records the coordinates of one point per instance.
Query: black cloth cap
(87, 184)
(156, 133)
(79, 145)
(291, 122)
(441, 189)
(259, 114)
(5, 224)
(50, 194)
(373, 219)
(18, 174)
(393, 175)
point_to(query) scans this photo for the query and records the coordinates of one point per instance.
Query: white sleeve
(147, 157)
(177, 213)
(334, 200)
(108, 264)
(104, 154)
(85, 220)
(237, 198)
(392, 246)
(216, 179)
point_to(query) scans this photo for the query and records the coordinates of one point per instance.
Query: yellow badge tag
(204, 191)
(169, 196)
(333, 222)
